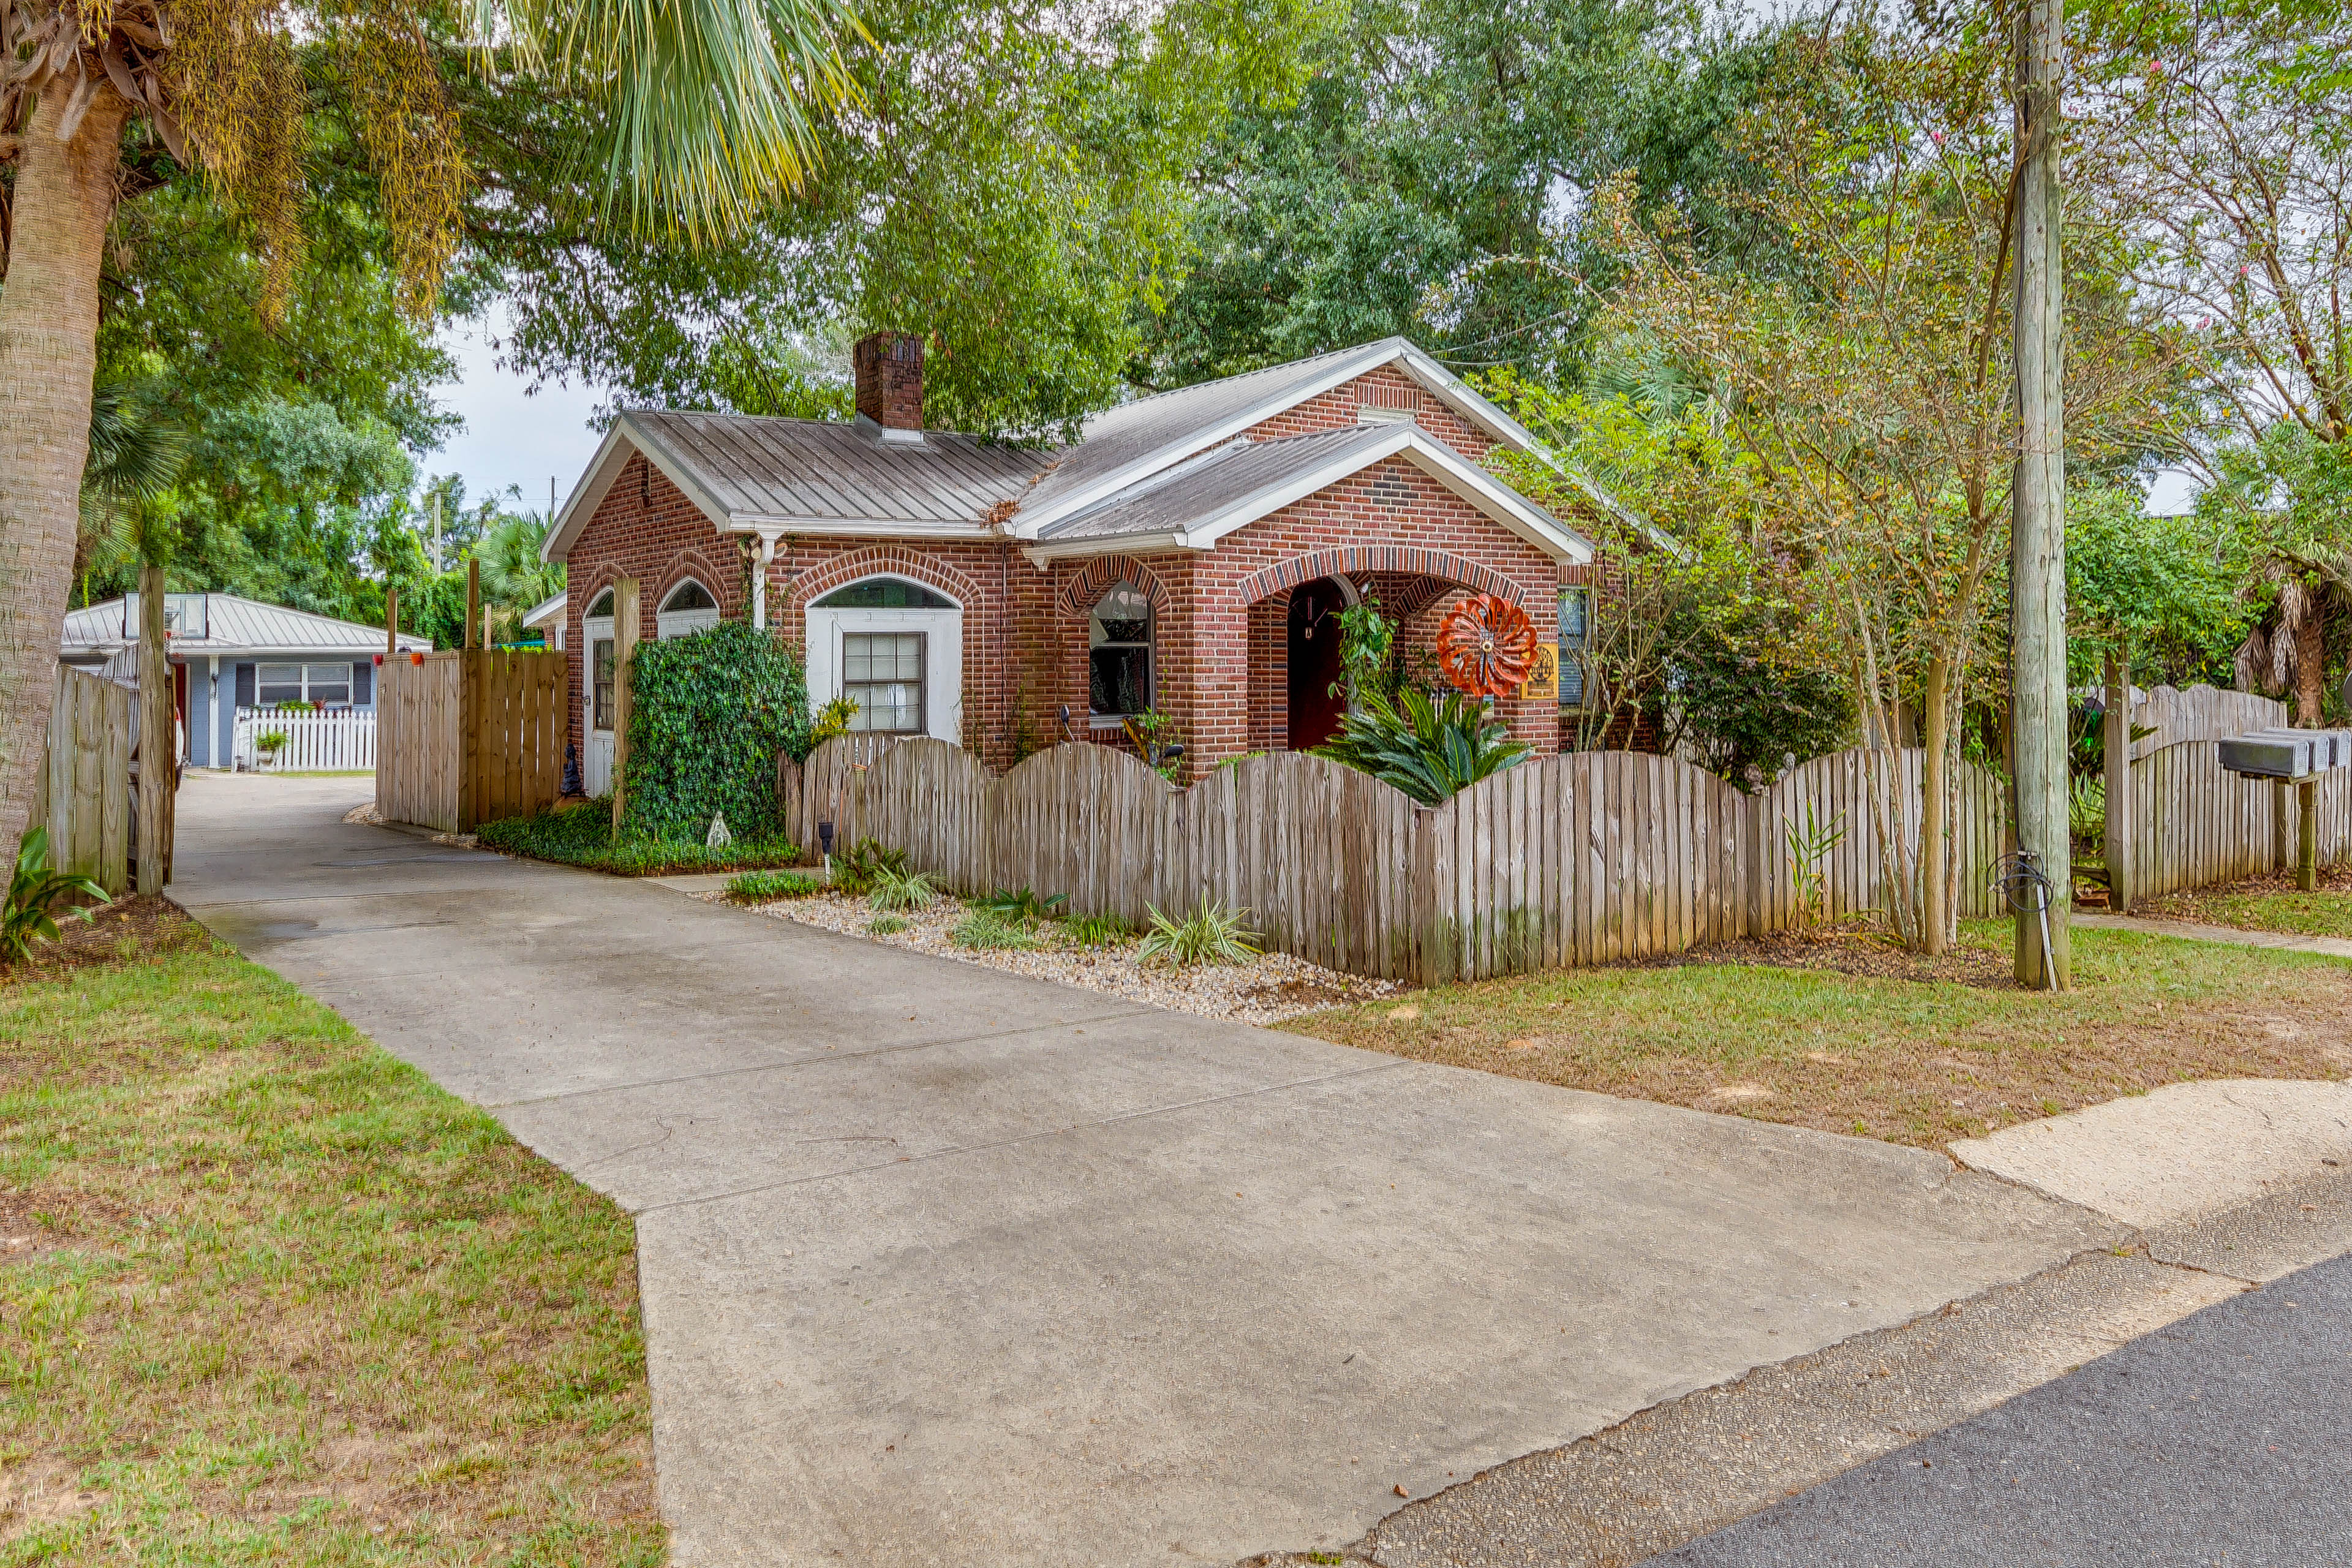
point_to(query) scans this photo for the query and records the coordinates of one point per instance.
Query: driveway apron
(944, 1266)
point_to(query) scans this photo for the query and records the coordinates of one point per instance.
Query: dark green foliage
(1214, 933)
(763, 886)
(1743, 717)
(709, 715)
(34, 893)
(1097, 931)
(1429, 750)
(1024, 904)
(583, 836)
(857, 868)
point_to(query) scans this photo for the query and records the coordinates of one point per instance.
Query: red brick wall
(1387, 389)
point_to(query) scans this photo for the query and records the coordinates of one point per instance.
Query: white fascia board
(1433, 457)
(1111, 544)
(857, 528)
(1371, 357)
(604, 469)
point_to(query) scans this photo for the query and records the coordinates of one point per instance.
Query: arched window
(689, 608)
(884, 594)
(1119, 653)
(603, 607)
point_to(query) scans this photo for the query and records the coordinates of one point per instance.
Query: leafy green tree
(2157, 595)
(1010, 182)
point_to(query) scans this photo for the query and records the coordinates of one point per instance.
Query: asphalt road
(2223, 1438)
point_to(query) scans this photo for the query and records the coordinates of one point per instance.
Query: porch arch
(1356, 559)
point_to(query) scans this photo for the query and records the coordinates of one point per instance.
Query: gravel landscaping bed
(1266, 990)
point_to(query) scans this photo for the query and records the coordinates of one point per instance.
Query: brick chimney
(890, 384)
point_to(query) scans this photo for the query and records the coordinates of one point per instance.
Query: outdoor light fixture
(824, 837)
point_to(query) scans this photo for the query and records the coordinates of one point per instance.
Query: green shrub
(985, 930)
(886, 925)
(765, 886)
(34, 893)
(583, 836)
(1097, 931)
(1429, 750)
(1024, 904)
(856, 868)
(708, 714)
(1210, 934)
(901, 890)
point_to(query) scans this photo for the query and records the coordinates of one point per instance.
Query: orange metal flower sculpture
(1486, 645)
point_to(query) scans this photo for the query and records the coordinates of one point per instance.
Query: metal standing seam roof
(236, 624)
(1203, 487)
(808, 470)
(1132, 432)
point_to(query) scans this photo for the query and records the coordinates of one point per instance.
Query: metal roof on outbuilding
(230, 624)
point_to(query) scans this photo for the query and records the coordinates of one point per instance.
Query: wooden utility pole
(624, 648)
(473, 599)
(390, 623)
(155, 739)
(2038, 527)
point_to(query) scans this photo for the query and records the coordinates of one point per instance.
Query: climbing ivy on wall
(708, 714)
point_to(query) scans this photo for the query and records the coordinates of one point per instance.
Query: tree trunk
(49, 359)
(1935, 808)
(2310, 668)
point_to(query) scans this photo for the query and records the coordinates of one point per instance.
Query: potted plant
(270, 743)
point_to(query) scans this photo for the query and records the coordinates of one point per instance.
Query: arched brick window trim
(1106, 572)
(885, 561)
(1354, 560)
(724, 587)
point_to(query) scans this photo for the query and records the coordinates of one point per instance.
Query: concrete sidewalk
(944, 1266)
(2228, 936)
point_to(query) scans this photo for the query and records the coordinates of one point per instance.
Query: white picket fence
(342, 741)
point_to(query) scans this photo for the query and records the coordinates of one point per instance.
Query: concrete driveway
(944, 1266)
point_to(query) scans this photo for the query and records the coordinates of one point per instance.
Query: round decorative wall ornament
(1485, 645)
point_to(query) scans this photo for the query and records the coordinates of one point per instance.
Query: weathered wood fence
(85, 786)
(2195, 824)
(468, 736)
(1585, 858)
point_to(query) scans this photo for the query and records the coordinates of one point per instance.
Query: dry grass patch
(2263, 903)
(269, 1296)
(1844, 1038)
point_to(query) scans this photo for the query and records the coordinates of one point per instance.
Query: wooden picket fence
(467, 736)
(1590, 858)
(2200, 712)
(86, 781)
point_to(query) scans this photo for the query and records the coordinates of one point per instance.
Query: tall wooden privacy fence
(469, 735)
(85, 786)
(2195, 824)
(1585, 858)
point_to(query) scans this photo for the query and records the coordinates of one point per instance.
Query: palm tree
(2286, 653)
(707, 113)
(514, 578)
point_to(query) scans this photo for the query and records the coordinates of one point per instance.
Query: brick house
(1188, 555)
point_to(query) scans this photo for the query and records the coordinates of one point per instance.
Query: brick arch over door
(1354, 560)
(1104, 573)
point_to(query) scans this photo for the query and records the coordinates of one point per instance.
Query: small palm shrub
(856, 867)
(1431, 751)
(900, 890)
(1213, 933)
(764, 887)
(1024, 904)
(34, 893)
(984, 931)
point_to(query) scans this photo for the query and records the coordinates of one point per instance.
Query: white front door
(596, 705)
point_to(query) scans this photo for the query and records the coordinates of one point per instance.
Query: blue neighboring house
(229, 652)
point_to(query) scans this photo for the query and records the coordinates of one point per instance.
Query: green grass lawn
(2265, 903)
(1914, 1061)
(267, 1295)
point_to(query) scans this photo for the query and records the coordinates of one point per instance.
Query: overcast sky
(513, 437)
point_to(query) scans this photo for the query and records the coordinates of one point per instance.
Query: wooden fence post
(2306, 836)
(624, 648)
(2117, 845)
(154, 730)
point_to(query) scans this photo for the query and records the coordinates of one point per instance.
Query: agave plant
(34, 893)
(1430, 750)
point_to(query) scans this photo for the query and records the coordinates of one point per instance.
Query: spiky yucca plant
(1429, 750)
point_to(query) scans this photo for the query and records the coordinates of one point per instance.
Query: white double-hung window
(326, 685)
(895, 649)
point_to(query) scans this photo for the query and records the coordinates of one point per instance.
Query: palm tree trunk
(49, 359)
(2310, 664)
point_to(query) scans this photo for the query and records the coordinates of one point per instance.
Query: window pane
(601, 655)
(1571, 680)
(330, 683)
(1119, 679)
(884, 594)
(1572, 623)
(882, 672)
(278, 683)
